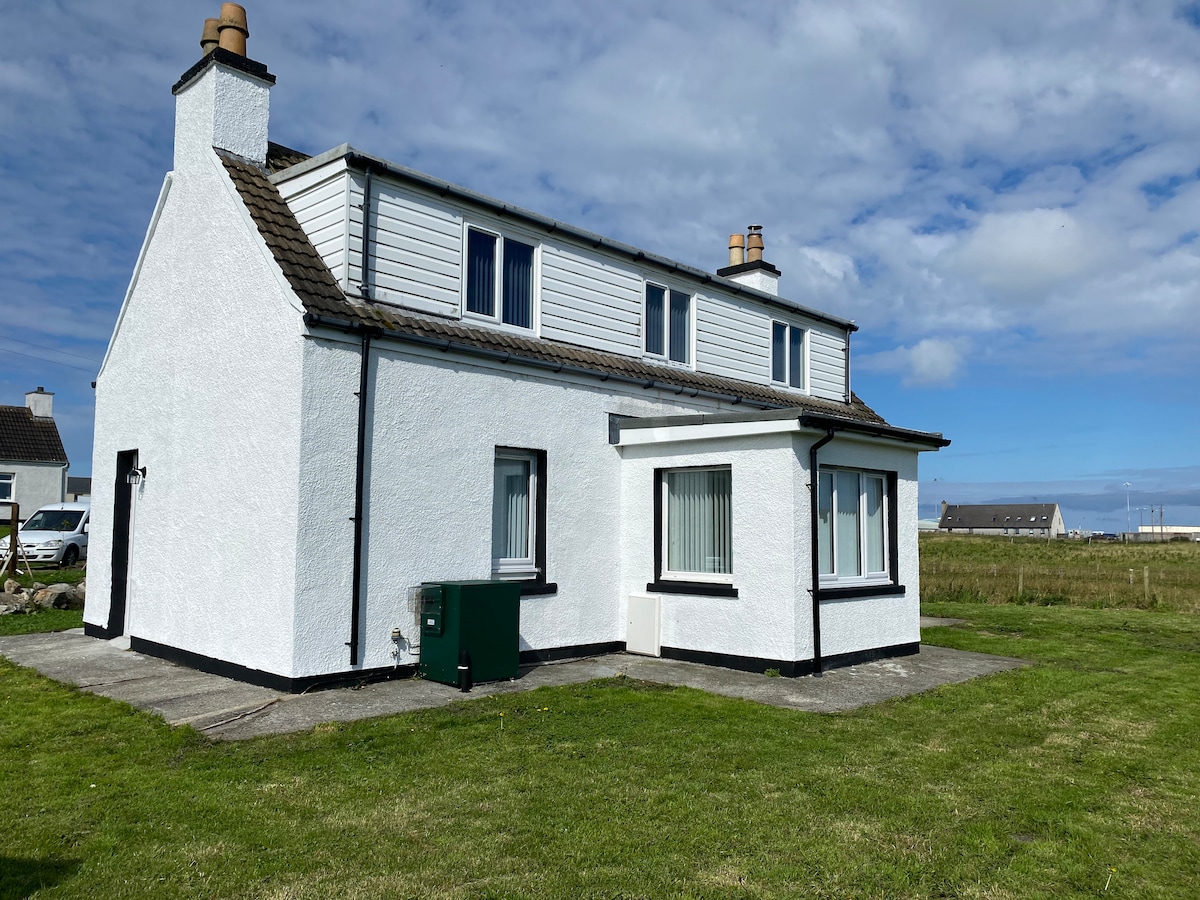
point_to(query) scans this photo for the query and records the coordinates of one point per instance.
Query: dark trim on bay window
(695, 588)
(866, 590)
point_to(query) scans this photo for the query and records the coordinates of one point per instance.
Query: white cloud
(1027, 251)
(929, 362)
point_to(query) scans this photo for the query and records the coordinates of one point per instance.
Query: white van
(54, 535)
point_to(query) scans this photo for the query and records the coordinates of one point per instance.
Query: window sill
(862, 590)
(696, 588)
(538, 588)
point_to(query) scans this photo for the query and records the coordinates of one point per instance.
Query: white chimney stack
(40, 403)
(746, 263)
(223, 101)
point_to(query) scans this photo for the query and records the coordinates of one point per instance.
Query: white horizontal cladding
(415, 250)
(590, 302)
(827, 363)
(733, 338)
(319, 200)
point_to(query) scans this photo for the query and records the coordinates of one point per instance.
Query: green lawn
(1077, 777)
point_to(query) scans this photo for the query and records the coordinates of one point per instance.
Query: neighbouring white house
(33, 463)
(1013, 519)
(300, 419)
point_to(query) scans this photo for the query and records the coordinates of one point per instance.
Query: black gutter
(504, 356)
(364, 288)
(360, 471)
(813, 491)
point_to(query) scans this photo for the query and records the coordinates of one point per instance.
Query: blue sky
(1005, 197)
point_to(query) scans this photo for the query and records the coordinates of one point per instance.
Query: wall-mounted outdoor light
(136, 476)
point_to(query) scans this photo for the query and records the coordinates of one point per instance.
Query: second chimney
(746, 263)
(40, 403)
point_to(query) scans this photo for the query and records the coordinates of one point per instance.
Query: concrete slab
(230, 710)
(939, 622)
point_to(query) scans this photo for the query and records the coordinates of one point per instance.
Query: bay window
(853, 526)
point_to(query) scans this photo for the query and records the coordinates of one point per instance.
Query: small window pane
(825, 523)
(848, 561)
(510, 509)
(518, 284)
(795, 357)
(481, 273)
(874, 523)
(680, 321)
(778, 351)
(655, 320)
(699, 521)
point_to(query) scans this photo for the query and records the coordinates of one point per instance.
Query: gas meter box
(479, 617)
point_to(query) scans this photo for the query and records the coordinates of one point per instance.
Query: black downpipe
(813, 488)
(360, 471)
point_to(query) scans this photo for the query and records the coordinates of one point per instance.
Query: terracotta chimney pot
(211, 36)
(234, 29)
(737, 249)
(754, 244)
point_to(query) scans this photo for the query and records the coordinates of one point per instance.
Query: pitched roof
(25, 437)
(327, 304)
(997, 515)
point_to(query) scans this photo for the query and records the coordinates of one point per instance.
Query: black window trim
(672, 586)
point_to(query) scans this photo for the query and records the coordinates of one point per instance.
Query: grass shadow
(22, 877)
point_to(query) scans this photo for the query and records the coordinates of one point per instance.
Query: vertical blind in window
(655, 319)
(778, 351)
(795, 357)
(481, 273)
(518, 284)
(700, 521)
(680, 315)
(510, 509)
(851, 508)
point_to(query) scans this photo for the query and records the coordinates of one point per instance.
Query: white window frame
(9, 478)
(787, 355)
(669, 574)
(665, 356)
(535, 288)
(518, 568)
(885, 576)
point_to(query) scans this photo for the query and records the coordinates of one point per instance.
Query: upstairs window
(787, 354)
(668, 323)
(499, 280)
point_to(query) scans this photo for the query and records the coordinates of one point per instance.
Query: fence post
(10, 571)
(1020, 580)
(1146, 581)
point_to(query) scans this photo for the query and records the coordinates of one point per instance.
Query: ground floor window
(6, 485)
(854, 525)
(699, 522)
(519, 518)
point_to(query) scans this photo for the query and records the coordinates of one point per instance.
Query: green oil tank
(480, 617)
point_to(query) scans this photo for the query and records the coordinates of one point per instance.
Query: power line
(44, 347)
(52, 362)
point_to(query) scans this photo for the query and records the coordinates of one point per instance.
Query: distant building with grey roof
(1025, 519)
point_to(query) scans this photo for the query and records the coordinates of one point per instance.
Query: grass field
(1027, 570)
(1076, 777)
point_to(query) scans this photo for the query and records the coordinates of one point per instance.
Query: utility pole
(1128, 518)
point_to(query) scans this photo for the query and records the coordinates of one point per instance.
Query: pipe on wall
(360, 470)
(813, 512)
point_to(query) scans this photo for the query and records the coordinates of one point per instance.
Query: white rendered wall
(848, 626)
(34, 485)
(758, 622)
(435, 421)
(202, 378)
(221, 108)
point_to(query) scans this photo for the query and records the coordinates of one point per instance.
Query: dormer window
(667, 323)
(787, 354)
(499, 279)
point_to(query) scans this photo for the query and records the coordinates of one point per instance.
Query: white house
(299, 420)
(33, 463)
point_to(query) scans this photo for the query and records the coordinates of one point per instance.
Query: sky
(1004, 197)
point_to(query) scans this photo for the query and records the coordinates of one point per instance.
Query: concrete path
(230, 710)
